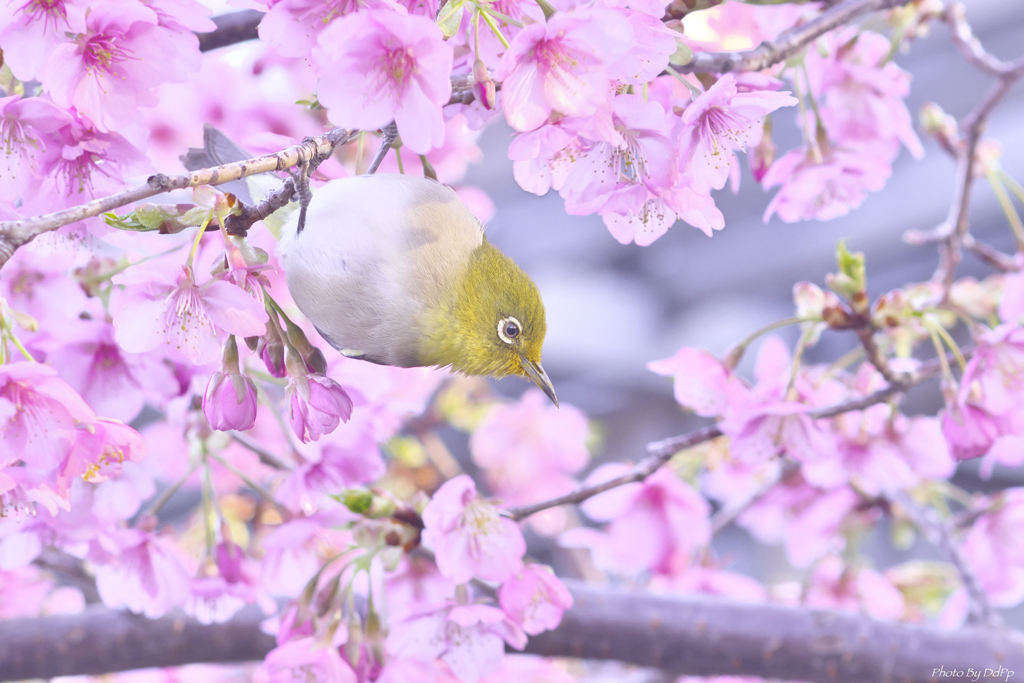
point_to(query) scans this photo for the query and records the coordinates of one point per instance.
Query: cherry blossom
(468, 638)
(316, 403)
(107, 71)
(654, 525)
(725, 118)
(561, 66)
(530, 449)
(305, 657)
(31, 31)
(993, 548)
(825, 188)
(39, 413)
(144, 575)
(469, 536)
(185, 320)
(385, 66)
(535, 599)
(26, 127)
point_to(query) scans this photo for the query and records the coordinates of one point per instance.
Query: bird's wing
(218, 149)
(375, 251)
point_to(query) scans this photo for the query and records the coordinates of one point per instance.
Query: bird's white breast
(375, 252)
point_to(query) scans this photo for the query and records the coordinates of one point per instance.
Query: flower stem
(695, 92)
(950, 342)
(251, 484)
(1007, 206)
(495, 29)
(398, 157)
(940, 351)
(166, 495)
(1014, 186)
(17, 345)
(502, 17)
(736, 353)
(195, 243)
(547, 8)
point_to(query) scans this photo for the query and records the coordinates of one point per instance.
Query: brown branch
(660, 452)
(788, 43)
(680, 634)
(14, 234)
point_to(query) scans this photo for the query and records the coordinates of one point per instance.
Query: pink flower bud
(483, 85)
(230, 398)
(317, 404)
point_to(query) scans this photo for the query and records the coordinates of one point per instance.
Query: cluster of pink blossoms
(194, 339)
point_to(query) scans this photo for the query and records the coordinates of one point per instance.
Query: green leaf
(450, 17)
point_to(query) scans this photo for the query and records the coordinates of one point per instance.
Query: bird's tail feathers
(218, 149)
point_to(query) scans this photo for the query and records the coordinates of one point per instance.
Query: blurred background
(612, 308)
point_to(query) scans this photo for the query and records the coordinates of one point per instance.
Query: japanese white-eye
(394, 269)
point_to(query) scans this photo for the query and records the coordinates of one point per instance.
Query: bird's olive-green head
(492, 324)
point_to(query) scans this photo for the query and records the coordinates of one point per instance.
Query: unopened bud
(483, 85)
(311, 355)
(271, 350)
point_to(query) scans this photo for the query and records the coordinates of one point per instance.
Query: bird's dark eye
(509, 329)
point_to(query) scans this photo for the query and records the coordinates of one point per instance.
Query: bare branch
(954, 233)
(1004, 263)
(788, 43)
(14, 234)
(660, 452)
(971, 48)
(682, 635)
(938, 532)
(728, 514)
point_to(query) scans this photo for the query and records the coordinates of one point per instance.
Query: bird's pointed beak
(535, 372)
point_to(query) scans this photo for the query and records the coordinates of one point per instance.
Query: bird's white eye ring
(509, 329)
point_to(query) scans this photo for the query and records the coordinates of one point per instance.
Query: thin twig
(788, 43)
(1004, 263)
(728, 514)
(954, 233)
(938, 532)
(265, 456)
(14, 234)
(660, 452)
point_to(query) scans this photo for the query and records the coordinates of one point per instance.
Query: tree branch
(660, 452)
(14, 234)
(954, 233)
(938, 532)
(788, 43)
(682, 635)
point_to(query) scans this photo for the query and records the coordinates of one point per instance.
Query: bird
(394, 269)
